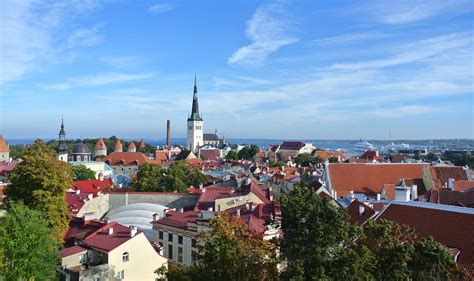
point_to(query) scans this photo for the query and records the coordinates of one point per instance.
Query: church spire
(195, 109)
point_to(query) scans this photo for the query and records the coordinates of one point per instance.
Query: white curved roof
(139, 215)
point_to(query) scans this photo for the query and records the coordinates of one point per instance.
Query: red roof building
(84, 191)
(100, 145)
(440, 175)
(449, 225)
(118, 146)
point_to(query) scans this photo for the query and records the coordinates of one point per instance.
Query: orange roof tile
(100, 145)
(463, 185)
(142, 143)
(128, 158)
(118, 144)
(369, 178)
(329, 154)
(442, 174)
(3, 145)
(131, 145)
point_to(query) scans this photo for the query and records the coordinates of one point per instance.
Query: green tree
(333, 160)
(431, 157)
(150, 178)
(248, 152)
(228, 251)
(306, 160)
(41, 181)
(313, 232)
(178, 177)
(232, 155)
(81, 172)
(27, 251)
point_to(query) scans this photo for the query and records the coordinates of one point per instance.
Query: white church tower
(195, 124)
(62, 148)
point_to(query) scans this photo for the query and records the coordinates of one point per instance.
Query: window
(121, 275)
(83, 258)
(170, 237)
(180, 239)
(97, 279)
(170, 252)
(190, 127)
(160, 235)
(193, 243)
(194, 257)
(161, 244)
(180, 254)
(125, 257)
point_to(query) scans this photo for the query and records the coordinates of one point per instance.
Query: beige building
(111, 252)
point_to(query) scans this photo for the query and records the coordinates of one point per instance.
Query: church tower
(62, 148)
(195, 124)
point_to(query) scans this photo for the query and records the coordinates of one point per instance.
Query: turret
(100, 149)
(131, 147)
(118, 146)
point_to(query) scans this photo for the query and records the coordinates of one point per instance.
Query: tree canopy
(319, 243)
(230, 252)
(232, 155)
(306, 160)
(81, 172)
(248, 152)
(27, 251)
(178, 177)
(41, 181)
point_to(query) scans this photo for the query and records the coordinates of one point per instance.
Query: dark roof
(448, 197)
(210, 137)
(183, 155)
(420, 185)
(195, 109)
(292, 145)
(449, 225)
(210, 154)
(356, 216)
(80, 148)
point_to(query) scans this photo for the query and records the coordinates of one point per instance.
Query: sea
(348, 146)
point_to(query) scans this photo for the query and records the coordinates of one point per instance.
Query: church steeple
(195, 109)
(62, 148)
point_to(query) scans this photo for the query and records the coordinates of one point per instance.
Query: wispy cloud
(122, 61)
(408, 11)
(30, 34)
(269, 30)
(85, 37)
(161, 8)
(100, 79)
(348, 38)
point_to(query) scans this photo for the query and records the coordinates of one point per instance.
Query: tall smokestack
(168, 133)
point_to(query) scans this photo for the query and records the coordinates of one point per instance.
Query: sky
(265, 69)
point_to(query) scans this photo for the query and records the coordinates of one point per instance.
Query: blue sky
(285, 69)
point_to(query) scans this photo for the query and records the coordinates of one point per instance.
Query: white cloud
(100, 79)
(85, 37)
(348, 38)
(29, 34)
(122, 61)
(408, 11)
(161, 8)
(268, 29)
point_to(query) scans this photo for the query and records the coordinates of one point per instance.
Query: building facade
(195, 123)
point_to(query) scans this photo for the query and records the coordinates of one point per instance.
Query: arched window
(78, 158)
(125, 257)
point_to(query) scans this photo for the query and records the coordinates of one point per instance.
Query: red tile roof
(102, 241)
(210, 154)
(211, 194)
(354, 212)
(369, 178)
(292, 145)
(3, 145)
(86, 187)
(178, 219)
(128, 158)
(449, 225)
(442, 174)
(449, 197)
(72, 251)
(464, 185)
(100, 145)
(370, 155)
(118, 144)
(325, 155)
(142, 144)
(80, 229)
(131, 145)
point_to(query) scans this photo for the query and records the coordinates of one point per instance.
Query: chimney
(101, 176)
(335, 194)
(168, 133)
(361, 210)
(351, 195)
(238, 212)
(414, 192)
(378, 196)
(451, 184)
(201, 186)
(78, 191)
(210, 209)
(90, 196)
(181, 210)
(133, 230)
(247, 206)
(111, 230)
(156, 217)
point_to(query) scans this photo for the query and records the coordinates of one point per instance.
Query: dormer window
(125, 257)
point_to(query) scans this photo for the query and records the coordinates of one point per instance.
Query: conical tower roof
(118, 144)
(131, 145)
(3, 145)
(100, 145)
(142, 143)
